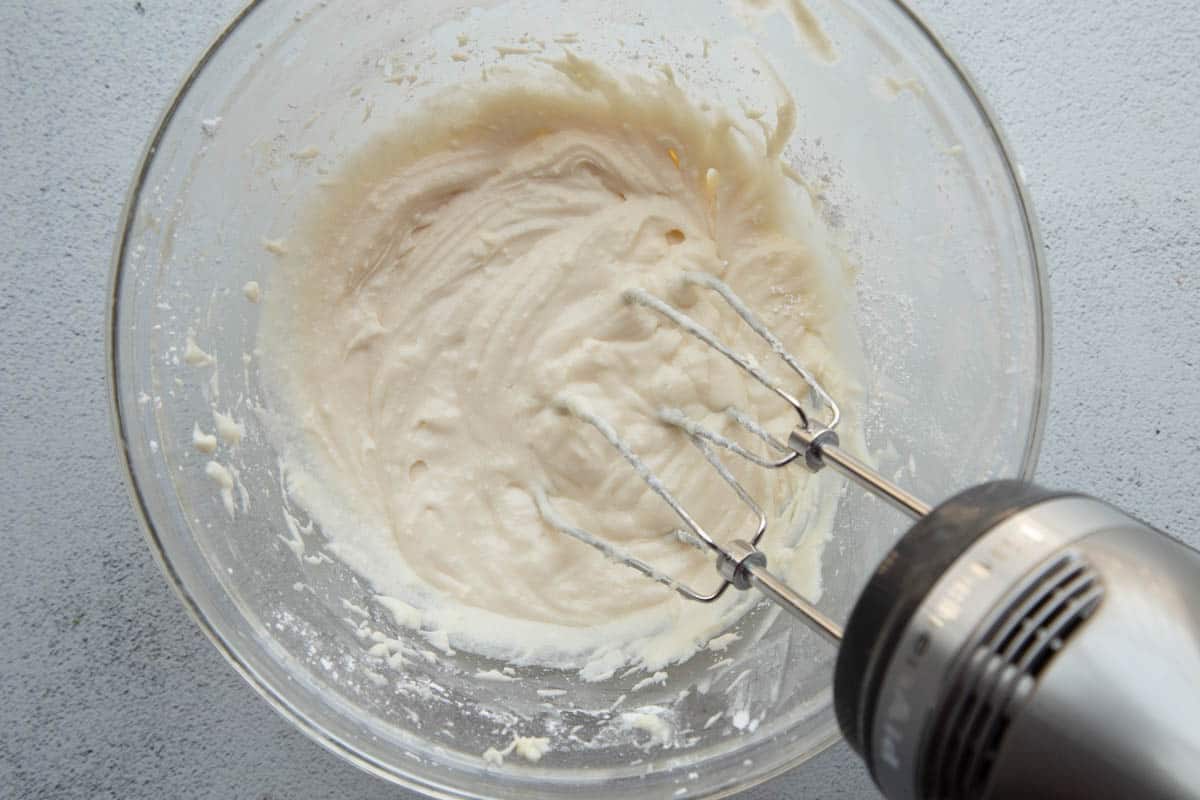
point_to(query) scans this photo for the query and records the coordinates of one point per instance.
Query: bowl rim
(278, 699)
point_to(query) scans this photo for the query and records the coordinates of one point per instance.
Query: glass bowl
(914, 181)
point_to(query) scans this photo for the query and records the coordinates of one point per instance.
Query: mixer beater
(813, 443)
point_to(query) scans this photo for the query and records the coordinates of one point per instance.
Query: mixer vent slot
(1000, 674)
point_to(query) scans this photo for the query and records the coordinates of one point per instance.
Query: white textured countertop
(109, 690)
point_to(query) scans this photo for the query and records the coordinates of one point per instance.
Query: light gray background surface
(106, 687)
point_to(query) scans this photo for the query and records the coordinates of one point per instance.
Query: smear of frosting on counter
(461, 279)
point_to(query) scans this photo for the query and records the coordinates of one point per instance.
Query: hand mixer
(1015, 642)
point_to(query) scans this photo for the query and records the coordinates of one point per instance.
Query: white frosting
(194, 356)
(461, 281)
(530, 748)
(222, 476)
(204, 442)
(647, 721)
(229, 429)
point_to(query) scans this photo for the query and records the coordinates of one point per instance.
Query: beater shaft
(746, 566)
(819, 446)
(793, 603)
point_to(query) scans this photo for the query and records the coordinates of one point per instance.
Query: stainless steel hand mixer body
(1015, 642)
